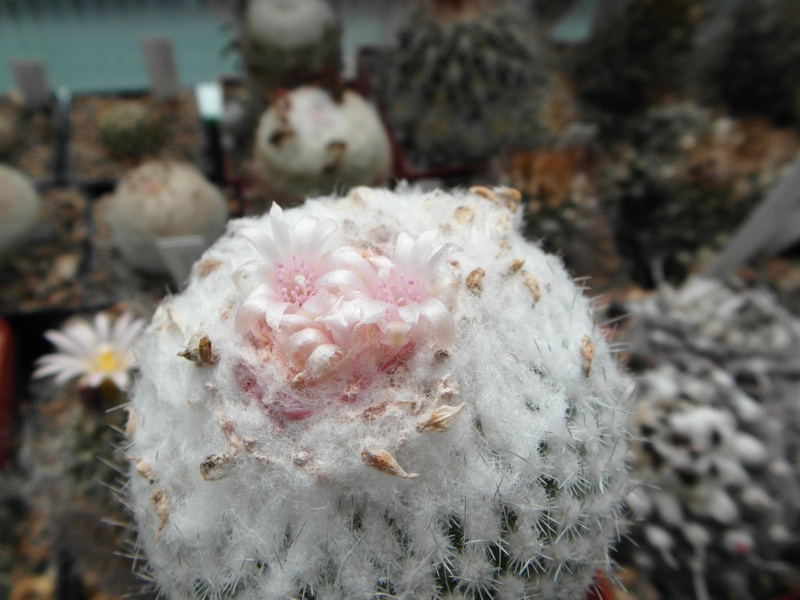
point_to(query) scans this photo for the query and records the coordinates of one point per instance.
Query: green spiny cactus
(637, 53)
(464, 82)
(685, 181)
(758, 69)
(131, 130)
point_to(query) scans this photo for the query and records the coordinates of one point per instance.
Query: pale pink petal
(310, 235)
(261, 241)
(92, 380)
(126, 338)
(57, 363)
(322, 360)
(120, 325)
(83, 334)
(252, 274)
(102, 326)
(440, 320)
(280, 230)
(395, 333)
(69, 344)
(121, 380)
(252, 310)
(301, 344)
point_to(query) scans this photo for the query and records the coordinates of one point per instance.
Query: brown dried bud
(202, 355)
(464, 215)
(205, 267)
(516, 266)
(587, 351)
(143, 468)
(385, 463)
(210, 468)
(441, 419)
(533, 285)
(161, 505)
(485, 193)
(475, 280)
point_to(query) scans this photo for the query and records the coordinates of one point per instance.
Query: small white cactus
(289, 42)
(310, 143)
(20, 206)
(386, 394)
(161, 200)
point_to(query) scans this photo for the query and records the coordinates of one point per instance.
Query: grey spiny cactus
(464, 82)
(718, 437)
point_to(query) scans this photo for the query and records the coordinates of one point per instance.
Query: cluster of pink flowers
(322, 306)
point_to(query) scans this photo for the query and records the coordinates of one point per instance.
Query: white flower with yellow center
(93, 354)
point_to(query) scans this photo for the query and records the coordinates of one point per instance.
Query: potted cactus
(47, 274)
(71, 455)
(20, 208)
(162, 200)
(380, 394)
(313, 142)
(29, 138)
(111, 133)
(464, 82)
(717, 431)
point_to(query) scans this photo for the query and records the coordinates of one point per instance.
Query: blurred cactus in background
(717, 428)
(685, 181)
(465, 81)
(755, 63)
(637, 54)
(20, 207)
(311, 142)
(287, 43)
(130, 130)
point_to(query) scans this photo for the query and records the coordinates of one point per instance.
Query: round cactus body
(161, 200)
(717, 430)
(386, 394)
(312, 143)
(19, 209)
(463, 84)
(289, 42)
(131, 130)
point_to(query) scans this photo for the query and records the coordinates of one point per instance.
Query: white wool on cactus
(386, 394)
(310, 142)
(288, 23)
(20, 206)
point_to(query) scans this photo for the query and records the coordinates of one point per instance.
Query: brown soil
(45, 274)
(33, 150)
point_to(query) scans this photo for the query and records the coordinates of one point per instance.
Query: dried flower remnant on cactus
(94, 353)
(363, 392)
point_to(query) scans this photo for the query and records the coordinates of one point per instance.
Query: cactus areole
(385, 394)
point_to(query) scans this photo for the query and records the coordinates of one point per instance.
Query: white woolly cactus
(718, 429)
(381, 395)
(289, 42)
(310, 142)
(161, 200)
(20, 206)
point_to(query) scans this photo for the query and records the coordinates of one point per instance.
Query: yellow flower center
(108, 362)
